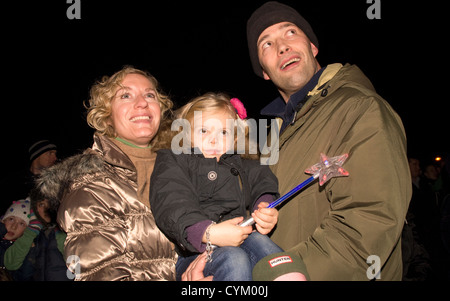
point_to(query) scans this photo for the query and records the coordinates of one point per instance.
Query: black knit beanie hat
(39, 148)
(267, 15)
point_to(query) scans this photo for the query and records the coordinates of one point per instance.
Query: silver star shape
(328, 168)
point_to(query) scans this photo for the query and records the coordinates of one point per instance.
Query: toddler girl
(199, 197)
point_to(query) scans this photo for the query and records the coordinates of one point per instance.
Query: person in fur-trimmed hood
(103, 193)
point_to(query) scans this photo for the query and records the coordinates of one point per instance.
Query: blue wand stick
(325, 170)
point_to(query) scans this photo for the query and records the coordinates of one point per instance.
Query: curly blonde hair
(102, 94)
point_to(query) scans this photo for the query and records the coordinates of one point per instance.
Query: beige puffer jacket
(111, 233)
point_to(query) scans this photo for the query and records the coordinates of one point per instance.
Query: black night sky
(191, 47)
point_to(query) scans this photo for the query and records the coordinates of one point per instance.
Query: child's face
(15, 227)
(42, 208)
(212, 134)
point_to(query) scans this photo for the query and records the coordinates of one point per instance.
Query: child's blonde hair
(214, 102)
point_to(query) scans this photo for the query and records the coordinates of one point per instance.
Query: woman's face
(136, 112)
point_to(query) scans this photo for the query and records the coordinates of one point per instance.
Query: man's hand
(194, 271)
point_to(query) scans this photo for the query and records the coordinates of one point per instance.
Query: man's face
(414, 167)
(47, 159)
(287, 57)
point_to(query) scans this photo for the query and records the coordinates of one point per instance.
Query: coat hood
(55, 180)
(336, 76)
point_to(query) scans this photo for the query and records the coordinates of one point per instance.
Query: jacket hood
(351, 74)
(55, 180)
(336, 76)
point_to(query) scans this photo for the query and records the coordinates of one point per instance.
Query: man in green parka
(350, 228)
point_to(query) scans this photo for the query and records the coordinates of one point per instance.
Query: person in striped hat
(20, 181)
(42, 155)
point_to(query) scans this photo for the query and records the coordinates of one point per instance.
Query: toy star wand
(326, 169)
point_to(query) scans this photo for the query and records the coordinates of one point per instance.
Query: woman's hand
(265, 218)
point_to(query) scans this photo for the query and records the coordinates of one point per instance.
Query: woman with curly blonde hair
(102, 96)
(103, 194)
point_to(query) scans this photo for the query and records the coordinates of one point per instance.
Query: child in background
(199, 199)
(33, 249)
(13, 227)
(48, 251)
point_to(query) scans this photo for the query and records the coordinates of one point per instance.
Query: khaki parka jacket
(350, 228)
(110, 233)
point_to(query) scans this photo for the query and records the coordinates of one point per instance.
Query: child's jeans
(233, 263)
